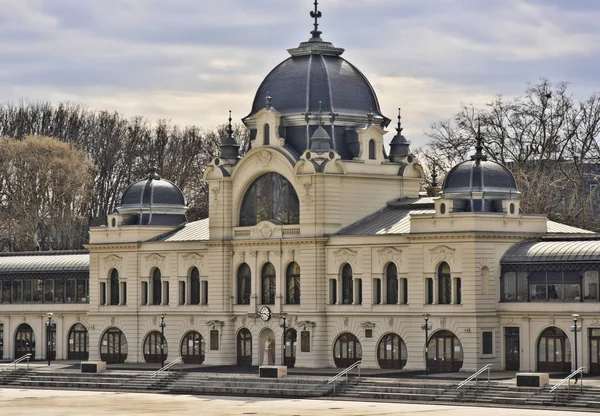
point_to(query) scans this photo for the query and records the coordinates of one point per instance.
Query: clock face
(265, 313)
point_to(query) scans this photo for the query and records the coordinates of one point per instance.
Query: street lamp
(283, 316)
(162, 339)
(426, 327)
(48, 338)
(575, 329)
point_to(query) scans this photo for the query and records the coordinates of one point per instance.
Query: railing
(476, 378)
(168, 367)
(568, 381)
(17, 361)
(344, 373)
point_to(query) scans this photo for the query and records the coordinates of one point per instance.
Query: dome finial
(153, 171)
(399, 128)
(268, 99)
(478, 156)
(316, 33)
(229, 147)
(229, 128)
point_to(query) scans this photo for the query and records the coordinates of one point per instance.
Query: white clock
(265, 313)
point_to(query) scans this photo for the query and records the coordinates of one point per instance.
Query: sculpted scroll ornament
(266, 231)
(265, 158)
(307, 199)
(112, 262)
(344, 255)
(442, 253)
(155, 260)
(388, 254)
(215, 193)
(193, 259)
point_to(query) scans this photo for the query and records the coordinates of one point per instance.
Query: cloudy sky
(192, 60)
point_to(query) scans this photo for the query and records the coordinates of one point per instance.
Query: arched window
(391, 276)
(372, 149)
(194, 286)
(78, 343)
(347, 285)
(444, 353)
(192, 348)
(267, 135)
(152, 348)
(292, 284)
(24, 341)
(114, 287)
(444, 284)
(554, 351)
(267, 279)
(391, 352)
(156, 287)
(244, 278)
(113, 346)
(346, 350)
(244, 347)
(270, 197)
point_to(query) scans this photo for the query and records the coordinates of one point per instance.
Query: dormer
(370, 139)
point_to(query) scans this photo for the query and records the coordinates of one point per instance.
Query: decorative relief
(215, 323)
(388, 254)
(252, 253)
(215, 193)
(346, 322)
(391, 322)
(265, 255)
(193, 259)
(242, 256)
(155, 260)
(112, 262)
(443, 323)
(266, 231)
(306, 324)
(78, 318)
(307, 199)
(596, 322)
(511, 320)
(344, 255)
(292, 254)
(191, 320)
(265, 158)
(243, 321)
(368, 324)
(442, 253)
(112, 320)
(154, 320)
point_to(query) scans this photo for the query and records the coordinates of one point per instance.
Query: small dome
(153, 201)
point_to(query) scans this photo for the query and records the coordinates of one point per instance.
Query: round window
(113, 223)
(512, 208)
(442, 208)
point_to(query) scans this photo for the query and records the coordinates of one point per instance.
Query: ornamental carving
(252, 253)
(307, 199)
(155, 260)
(265, 158)
(443, 322)
(391, 322)
(389, 254)
(215, 193)
(112, 262)
(191, 320)
(292, 254)
(266, 231)
(346, 322)
(368, 324)
(193, 259)
(112, 320)
(344, 255)
(442, 253)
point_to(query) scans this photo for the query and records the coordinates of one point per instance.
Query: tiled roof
(191, 231)
(557, 227)
(35, 263)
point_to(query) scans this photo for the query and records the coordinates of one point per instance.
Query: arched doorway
(24, 341)
(594, 337)
(152, 350)
(113, 346)
(192, 348)
(244, 347)
(346, 350)
(391, 352)
(554, 351)
(78, 343)
(290, 347)
(444, 353)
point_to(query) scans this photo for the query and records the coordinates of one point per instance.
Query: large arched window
(270, 197)
(114, 287)
(113, 346)
(391, 277)
(444, 284)
(346, 350)
(156, 287)
(153, 353)
(391, 352)
(347, 285)
(244, 278)
(267, 279)
(292, 284)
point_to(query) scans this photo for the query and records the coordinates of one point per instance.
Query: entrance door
(51, 342)
(113, 346)
(24, 341)
(244, 347)
(290, 348)
(78, 343)
(192, 348)
(594, 336)
(347, 350)
(554, 351)
(512, 349)
(444, 353)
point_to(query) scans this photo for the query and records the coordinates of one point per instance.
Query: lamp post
(48, 337)
(575, 330)
(426, 327)
(162, 339)
(283, 317)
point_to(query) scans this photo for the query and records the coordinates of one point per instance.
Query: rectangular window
(165, 299)
(359, 291)
(6, 287)
(204, 292)
(59, 291)
(70, 293)
(458, 293)
(590, 285)
(36, 290)
(49, 291)
(487, 342)
(17, 292)
(368, 333)
(144, 294)
(102, 293)
(214, 340)
(1, 284)
(376, 291)
(429, 291)
(404, 288)
(332, 291)
(182, 293)
(1, 341)
(305, 341)
(82, 291)
(27, 290)
(123, 293)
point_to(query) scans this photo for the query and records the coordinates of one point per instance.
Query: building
(319, 232)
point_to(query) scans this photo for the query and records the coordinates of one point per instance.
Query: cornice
(112, 246)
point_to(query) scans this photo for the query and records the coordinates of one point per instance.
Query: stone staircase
(391, 389)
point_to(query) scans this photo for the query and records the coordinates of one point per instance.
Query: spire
(316, 45)
(316, 33)
(399, 146)
(230, 149)
(320, 142)
(479, 156)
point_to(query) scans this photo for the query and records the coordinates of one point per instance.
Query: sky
(191, 61)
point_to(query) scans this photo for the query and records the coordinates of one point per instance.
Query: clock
(265, 313)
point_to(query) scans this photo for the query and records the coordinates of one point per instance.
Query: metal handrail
(17, 361)
(567, 379)
(166, 367)
(475, 376)
(345, 372)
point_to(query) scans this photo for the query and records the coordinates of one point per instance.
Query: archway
(244, 347)
(444, 353)
(24, 341)
(290, 347)
(553, 351)
(113, 346)
(152, 348)
(78, 343)
(192, 348)
(391, 352)
(346, 350)
(267, 347)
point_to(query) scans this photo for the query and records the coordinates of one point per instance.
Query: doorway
(512, 349)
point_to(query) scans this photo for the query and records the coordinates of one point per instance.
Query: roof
(191, 231)
(558, 228)
(563, 251)
(44, 263)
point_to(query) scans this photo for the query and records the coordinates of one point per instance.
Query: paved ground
(60, 402)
